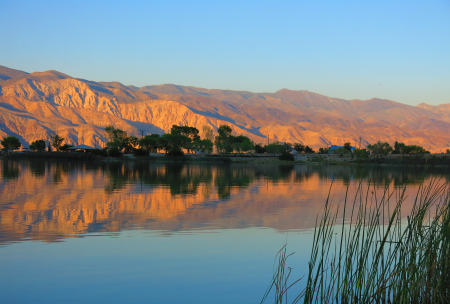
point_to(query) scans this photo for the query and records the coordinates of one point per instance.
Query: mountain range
(37, 105)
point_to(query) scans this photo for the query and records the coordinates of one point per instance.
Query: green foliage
(119, 139)
(401, 148)
(224, 141)
(114, 152)
(140, 152)
(259, 148)
(116, 138)
(203, 145)
(149, 142)
(100, 152)
(309, 150)
(65, 147)
(348, 146)
(190, 132)
(286, 155)
(172, 142)
(380, 149)
(57, 141)
(376, 256)
(209, 133)
(11, 143)
(175, 152)
(275, 148)
(342, 151)
(38, 145)
(300, 148)
(360, 153)
(448, 151)
(323, 150)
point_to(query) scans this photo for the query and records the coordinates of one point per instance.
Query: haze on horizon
(348, 49)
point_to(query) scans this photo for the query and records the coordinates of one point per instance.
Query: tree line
(186, 138)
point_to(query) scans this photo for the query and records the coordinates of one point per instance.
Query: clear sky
(398, 50)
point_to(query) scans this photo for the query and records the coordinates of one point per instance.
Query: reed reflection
(54, 200)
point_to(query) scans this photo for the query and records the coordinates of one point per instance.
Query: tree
(38, 145)
(360, 153)
(209, 133)
(401, 148)
(65, 147)
(380, 148)
(57, 141)
(117, 138)
(190, 132)
(224, 141)
(275, 148)
(348, 146)
(174, 143)
(149, 142)
(11, 143)
(300, 148)
(259, 148)
(323, 150)
(308, 149)
(203, 145)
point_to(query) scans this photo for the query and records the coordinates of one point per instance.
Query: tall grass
(378, 256)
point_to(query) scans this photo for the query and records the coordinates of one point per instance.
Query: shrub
(114, 152)
(140, 152)
(286, 155)
(100, 152)
(175, 152)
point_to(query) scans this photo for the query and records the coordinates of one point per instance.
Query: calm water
(166, 232)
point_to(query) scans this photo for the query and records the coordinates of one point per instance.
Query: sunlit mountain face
(51, 201)
(37, 105)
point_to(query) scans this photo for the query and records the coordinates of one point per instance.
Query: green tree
(300, 148)
(174, 143)
(308, 150)
(380, 149)
(224, 141)
(209, 133)
(348, 146)
(11, 143)
(323, 150)
(259, 148)
(203, 145)
(360, 153)
(117, 138)
(57, 141)
(38, 145)
(275, 148)
(190, 132)
(149, 142)
(65, 147)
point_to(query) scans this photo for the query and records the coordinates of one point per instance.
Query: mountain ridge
(40, 104)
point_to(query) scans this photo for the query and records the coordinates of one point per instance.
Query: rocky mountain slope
(38, 105)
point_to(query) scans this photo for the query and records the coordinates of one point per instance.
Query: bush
(140, 152)
(175, 152)
(286, 155)
(114, 152)
(100, 152)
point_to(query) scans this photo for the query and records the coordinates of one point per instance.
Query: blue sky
(398, 50)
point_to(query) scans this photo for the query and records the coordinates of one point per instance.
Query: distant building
(332, 149)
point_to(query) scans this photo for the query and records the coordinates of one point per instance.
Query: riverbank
(431, 160)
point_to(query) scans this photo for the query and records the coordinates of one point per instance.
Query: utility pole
(142, 133)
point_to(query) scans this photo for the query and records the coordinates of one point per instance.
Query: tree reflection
(10, 170)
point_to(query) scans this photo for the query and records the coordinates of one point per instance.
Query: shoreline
(311, 159)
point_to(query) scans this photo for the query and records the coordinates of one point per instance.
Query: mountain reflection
(50, 201)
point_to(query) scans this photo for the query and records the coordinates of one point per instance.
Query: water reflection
(51, 201)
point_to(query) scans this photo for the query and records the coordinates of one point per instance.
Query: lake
(174, 232)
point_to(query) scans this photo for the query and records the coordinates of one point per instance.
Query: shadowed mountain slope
(38, 105)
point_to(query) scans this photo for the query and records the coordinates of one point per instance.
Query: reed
(378, 257)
